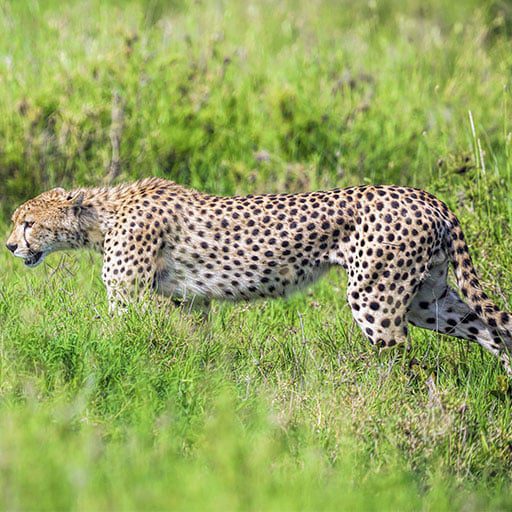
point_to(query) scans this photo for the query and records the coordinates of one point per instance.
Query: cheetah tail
(469, 285)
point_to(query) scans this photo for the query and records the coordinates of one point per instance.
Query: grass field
(274, 405)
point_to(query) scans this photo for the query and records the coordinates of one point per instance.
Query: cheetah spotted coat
(395, 244)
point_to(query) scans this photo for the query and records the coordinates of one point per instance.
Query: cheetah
(395, 244)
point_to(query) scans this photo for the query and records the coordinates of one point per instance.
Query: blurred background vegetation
(277, 405)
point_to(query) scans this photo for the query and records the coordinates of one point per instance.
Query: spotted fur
(395, 244)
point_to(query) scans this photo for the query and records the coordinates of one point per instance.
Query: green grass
(274, 405)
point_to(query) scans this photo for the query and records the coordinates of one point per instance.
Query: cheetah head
(45, 224)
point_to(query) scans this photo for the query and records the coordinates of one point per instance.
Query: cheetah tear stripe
(395, 244)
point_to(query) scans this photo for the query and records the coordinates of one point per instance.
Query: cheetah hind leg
(382, 317)
(439, 308)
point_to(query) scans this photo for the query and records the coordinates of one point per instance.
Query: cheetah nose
(12, 247)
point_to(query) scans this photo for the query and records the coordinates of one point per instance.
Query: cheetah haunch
(395, 244)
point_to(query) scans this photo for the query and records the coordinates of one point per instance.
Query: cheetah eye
(28, 224)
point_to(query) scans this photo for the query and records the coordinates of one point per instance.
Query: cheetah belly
(177, 280)
(170, 281)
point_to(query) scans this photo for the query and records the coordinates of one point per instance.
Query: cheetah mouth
(34, 259)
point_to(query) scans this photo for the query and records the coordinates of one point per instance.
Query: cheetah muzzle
(395, 244)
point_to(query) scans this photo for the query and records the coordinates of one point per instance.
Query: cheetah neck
(99, 207)
(97, 216)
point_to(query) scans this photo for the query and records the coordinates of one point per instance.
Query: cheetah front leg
(122, 292)
(130, 274)
(128, 270)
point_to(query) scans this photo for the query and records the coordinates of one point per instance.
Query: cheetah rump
(395, 244)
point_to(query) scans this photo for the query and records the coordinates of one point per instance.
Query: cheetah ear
(76, 201)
